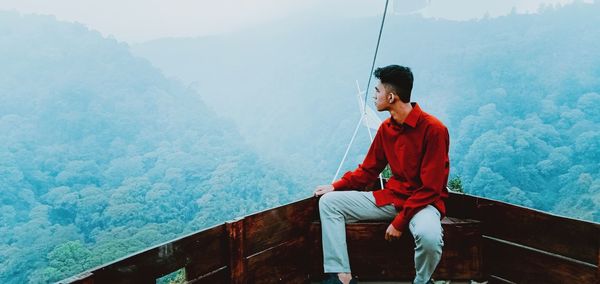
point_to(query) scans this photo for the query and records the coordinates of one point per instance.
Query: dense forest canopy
(103, 156)
(108, 148)
(519, 93)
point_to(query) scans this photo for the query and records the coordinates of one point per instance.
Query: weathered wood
(462, 255)
(492, 279)
(568, 237)
(279, 264)
(237, 263)
(277, 225)
(211, 255)
(150, 264)
(565, 236)
(521, 264)
(373, 258)
(219, 276)
(284, 245)
(82, 278)
(462, 206)
(315, 249)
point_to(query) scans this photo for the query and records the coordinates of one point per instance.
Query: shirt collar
(412, 118)
(413, 115)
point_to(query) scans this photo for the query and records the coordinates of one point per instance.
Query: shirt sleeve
(434, 172)
(369, 170)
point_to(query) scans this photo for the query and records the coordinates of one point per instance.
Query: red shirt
(417, 152)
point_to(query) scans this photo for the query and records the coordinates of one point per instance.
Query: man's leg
(427, 231)
(337, 208)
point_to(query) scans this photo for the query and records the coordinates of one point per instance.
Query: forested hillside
(519, 93)
(107, 149)
(101, 156)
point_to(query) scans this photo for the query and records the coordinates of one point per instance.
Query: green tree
(455, 184)
(67, 259)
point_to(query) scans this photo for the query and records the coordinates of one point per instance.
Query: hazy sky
(141, 20)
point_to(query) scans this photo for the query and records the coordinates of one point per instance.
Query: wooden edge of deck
(269, 232)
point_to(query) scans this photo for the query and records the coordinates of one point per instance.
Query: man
(415, 145)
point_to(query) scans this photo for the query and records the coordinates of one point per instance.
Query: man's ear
(391, 100)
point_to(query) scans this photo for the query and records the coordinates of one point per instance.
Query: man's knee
(333, 202)
(429, 238)
(328, 199)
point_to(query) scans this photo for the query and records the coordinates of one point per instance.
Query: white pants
(337, 208)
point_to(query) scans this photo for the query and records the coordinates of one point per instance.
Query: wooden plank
(373, 258)
(278, 225)
(315, 249)
(280, 264)
(461, 206)
(148, 265)
(237, 264)
(296, 278)
(462, 255)
(204, 252)
(211, 247)
(560, 235)
(493, 279)
(83, 278)
(556, 234)
(219, 276)
(521, 264)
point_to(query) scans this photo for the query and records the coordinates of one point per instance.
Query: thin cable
(375, 56)
(364, 115)
(347, 149)
(368, 129)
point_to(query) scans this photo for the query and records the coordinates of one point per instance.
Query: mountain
(103, 156)
(519, 94)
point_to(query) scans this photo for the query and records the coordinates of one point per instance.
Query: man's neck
(400, 111)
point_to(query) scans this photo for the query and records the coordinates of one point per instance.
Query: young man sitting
(415, 144)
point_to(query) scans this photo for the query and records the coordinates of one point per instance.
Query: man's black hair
(399, 78)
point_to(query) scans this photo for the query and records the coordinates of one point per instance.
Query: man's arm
(434, 171)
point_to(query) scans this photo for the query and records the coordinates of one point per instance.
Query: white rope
(364, 104)
(368, 129)
(347, 149)
(376, 50)
(363, 117)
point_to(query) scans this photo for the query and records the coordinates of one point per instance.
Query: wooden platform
(373, 258)
(499, 242)
(409, 282)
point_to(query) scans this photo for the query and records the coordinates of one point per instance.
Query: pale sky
(136, 21)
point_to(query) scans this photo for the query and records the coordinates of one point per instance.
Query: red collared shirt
(417, 152)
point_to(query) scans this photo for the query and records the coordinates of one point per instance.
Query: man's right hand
(322, 189)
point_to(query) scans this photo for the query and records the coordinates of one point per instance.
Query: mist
(112, 146)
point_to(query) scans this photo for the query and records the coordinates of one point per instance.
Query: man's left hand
(391, 233)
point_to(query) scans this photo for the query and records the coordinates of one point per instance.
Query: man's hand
(391, 233)
(322, 189)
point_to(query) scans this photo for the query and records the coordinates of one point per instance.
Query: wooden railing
(281, 245)
(523, 245)
(374, 259)
(266, 247)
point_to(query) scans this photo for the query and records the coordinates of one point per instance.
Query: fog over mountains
(517, 93)
(109, 148)
(103, 156)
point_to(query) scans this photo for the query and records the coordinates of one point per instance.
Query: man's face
(381, 97)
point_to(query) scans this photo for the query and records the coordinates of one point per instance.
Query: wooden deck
(373, 258)
(502, 243)
(409, 282)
